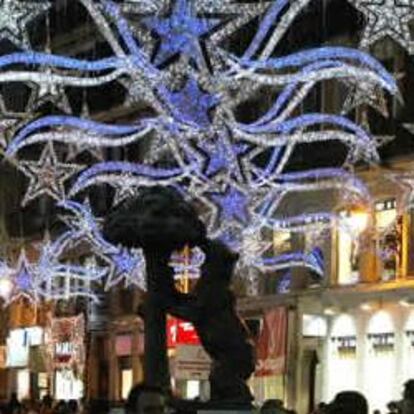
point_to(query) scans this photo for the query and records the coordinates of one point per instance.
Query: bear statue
(160, 221)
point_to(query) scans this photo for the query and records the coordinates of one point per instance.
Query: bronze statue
(160, 221)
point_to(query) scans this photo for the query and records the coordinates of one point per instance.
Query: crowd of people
(351, 402)
(46, 406)
(150, 400)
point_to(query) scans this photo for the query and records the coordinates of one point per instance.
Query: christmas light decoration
(46, 176)
(174, 59)
(5, 125)
(386, 18)
(24, 281)
(127, 266)
(15, 15)
(49, 92)
(187, 263)
(366, 94)
(58, 280)
(78, 147)
(180, 33)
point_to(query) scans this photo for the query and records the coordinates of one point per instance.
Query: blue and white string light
(211, 152)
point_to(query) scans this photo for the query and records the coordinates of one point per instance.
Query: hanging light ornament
(386, 18)
(47, 176)
(15, 15)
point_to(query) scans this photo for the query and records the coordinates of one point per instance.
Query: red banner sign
(272, 344)
(181, 333)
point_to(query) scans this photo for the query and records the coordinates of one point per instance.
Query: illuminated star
(222, 156)
(24, 285)
(191, 104)
(180, 33)
(365, 93)
(14, 16)
(387, 18)
(49, 92)
(233, 205)
(125, 188)
(46, 175)
(127, 266)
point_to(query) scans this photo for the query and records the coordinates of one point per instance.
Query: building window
(353, 223)
(348, 253)
(280, 281)
(389, 231)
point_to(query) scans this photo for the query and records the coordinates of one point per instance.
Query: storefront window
(388, 228)
(348, 256)
(67, 386)
(380, 357)
(342, 356)
(280, 281)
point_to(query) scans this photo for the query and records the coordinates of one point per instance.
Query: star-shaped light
(127, 266)
(125, 189)
(85, 227)
(222, 156)
(49, 92)
(47, 175)
(365, 93)
(232, 204)
(191, 105)
(6, 125)
(181, 33)
(24, 284)
(14, 16)
(387, 18)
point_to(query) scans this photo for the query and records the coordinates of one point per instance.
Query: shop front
(125, 357)
(189, 363)
(67, 347)
(26, 361)
(269, 379)
(367, 344)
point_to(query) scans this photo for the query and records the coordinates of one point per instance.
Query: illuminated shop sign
(382, 341)
(181, 333)
(346, 344)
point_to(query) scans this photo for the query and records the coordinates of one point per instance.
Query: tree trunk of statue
(156, 366)
(156, 370)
